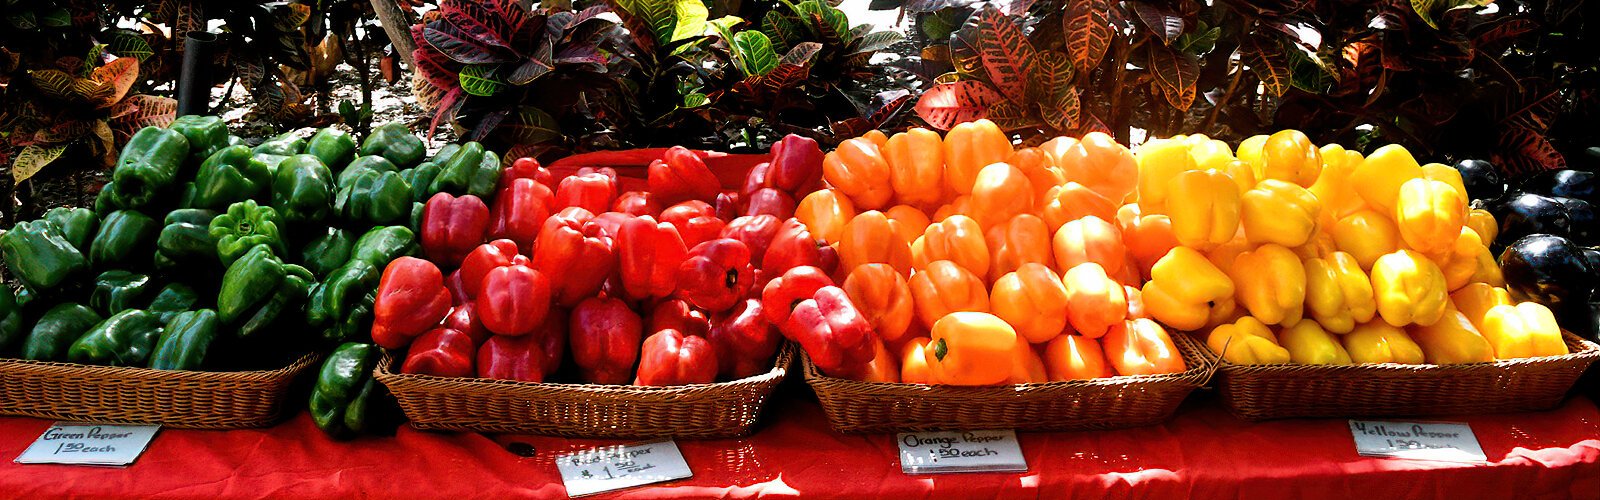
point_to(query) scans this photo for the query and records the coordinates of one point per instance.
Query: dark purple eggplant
(1548, 269)
(1483, 182)
(1565, 183)
(1525, 213)
(1581, 216)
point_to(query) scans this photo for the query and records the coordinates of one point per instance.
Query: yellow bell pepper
(1451, 341)
(1224, 255)
(1099, 163)
(1159, 161)
(1095, 302)
(1366, 235)
(1204, 208)
(1021, 240)
(908, 222)
(1483, 223)
(1526, 330)
(1185, 288)
(1410, 289)
(1000, 192)
(1147, 237)
(1290, 156)
(1033, 300)
(1208, 153)
(1320, 245)
(1467, 261)
(870, 237)
(825, 212)
(1446, 174)
(1243, 177)
(971, 348)
(857, 169)
(1090, 239)
(1270, 282)
(1247, 342)
(944, 287)
(1338, 292)
(916, 167)
(1309, 344)
(1072, 201)
(968, 148)
(1250, 150)
(1379, 342)
(1278, 212)
(1476, 299)
(957, 239)
(1378, 178)
(1335, 188)
(1430, 214)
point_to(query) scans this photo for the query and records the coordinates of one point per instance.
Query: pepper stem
(940, 349)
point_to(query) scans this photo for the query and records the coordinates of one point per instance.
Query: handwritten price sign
(969, 451)
(89, 444)
(597, 470)
(1445, 441)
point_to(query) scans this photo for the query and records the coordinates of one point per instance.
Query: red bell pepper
(514, 299)
(481, 260)
(756, 231)
(604, 339)
(757, 178)
(680, 175)
(743, 339)
(796, 165)
(607, 224)
(590, 189)
(411, 299)
(452, 227)
(783, 293)
(716, 274)
(696, 221)
(464, 318)
(729, 204)
(458, 291)
(637, 203)
(441, 352)
(582, 262)
(771, 201)
(792, 246)
(649, 253)
(512, 358)
(552, 337)
(524, 168)
(678, 314)
(687, 210)
(576, 213)
(518, 212)
(669, 357)
(833, 332)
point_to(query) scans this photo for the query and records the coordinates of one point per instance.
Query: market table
(1203, 453)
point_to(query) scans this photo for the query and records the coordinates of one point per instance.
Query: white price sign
(964, 451)
(607, 468)
(1444, 441)
(89, 444)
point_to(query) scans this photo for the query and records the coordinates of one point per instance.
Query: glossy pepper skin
(968, 148)
(57, 330)
(796, 165)
(124, 237)
(783, 293)
(637, 203)
(77, 225)
(680, 176)
(743, 339)
(1382, 174)
(858, 170)
(695, 220)
(420, 178)
(581, 257)
(1072, 201)
(1090, 240)
(519, 213)
(1271, 283)
(1095, 302)
(971, 348)
(590, 189)
(185, 340)
(513, 299)
(870, 237)
(649, 254)
(1023, 240)
(1204, 208)
(1160, 161)
(1310, 344)
(147, 167)
(957, 238)
(1409, 289)
(453, 227)
(327, 252)
(230, 175)
(116, 291)
(39, 255)
(825, 213)
(259, 288)
(172, 299)
(669, 357)
(185, 241)
(1000, 192)
(1378, 342)
(1476, 299)
(470, 170)
(124, 339)
(1099, 163)
(205, 134)
(411, 299)
(916, 167)
(605, 337)
(1141, 347)
(716, 274)
(285, 144)
(245, 225)
(1185, 289)
(1075, 357)
(1338, 294)
(339, 383)
(1290, 156)
(1525, 330)
(945, 287)
(1147, 237)
(342, 304)
(334, 147)
(756, 232)
(1452, 340)
(396, 143)
(441, 352)
(1247, 341)
(302, 189)
(1278, 212)
(1430, 214)
(792, 246)
(831, 330)
(512, 358)
(881, 294)
(374, 197)
(1033, 301)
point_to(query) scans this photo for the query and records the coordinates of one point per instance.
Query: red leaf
(1164, 23)
(1007, 54)
(948, 104)
(1523, 151)
(1176, 73)
(1088, 31)
(120, 75)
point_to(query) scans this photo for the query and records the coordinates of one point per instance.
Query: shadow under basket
(1263, 392)
(1118, 402)
(699, 411)
(125, 395)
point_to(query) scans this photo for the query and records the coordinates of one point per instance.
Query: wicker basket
(1262, 392)
(1109, 403)
(119, 395)
(701, 411)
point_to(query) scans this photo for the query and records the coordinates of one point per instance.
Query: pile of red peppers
(683, 283)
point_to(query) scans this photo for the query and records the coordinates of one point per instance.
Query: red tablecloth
(1203, 453)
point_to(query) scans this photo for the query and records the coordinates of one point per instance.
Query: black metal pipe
(194, 78)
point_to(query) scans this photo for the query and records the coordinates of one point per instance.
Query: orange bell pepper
(1090, 239)
(972, 348)
(1160, 161)
(1476, 299)
(1334, 187)
(1452, 340)
(1095, 302)
(1000, 192)
(1279, 212)
(857, 169)
(1041, 174)
(869, 238)
(1056, 149)
(1185, 290)
(1101, 164)
(884, 367)
(1379, 342)
(825, 212)
(1289, 156)
(1148, 237)
(876, 137)
(1430, 214)
(957, 239)
(1136, 308)
(1026, 365)
(968, 148)
(1270, 283)
(882, 295)
(1142, 347)
(957, 206)
(1483, 223)
(1525, 330)
(1075, 357)
(1366, 235)
(1072, 201)
(916, 167)
(1378, 178)
(1019, 241)
(1033, 300)
(914, 365)
(1338, 292)
(944, 287)
(1409, 289)
(1204, 208)
(907, 221)
(1247, 342)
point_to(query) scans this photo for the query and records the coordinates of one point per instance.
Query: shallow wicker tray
(1262, 392)
(854, 406)
(700, 411)
(121, 395)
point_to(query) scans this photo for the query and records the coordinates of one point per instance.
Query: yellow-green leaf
(32, 159)
(480, 80)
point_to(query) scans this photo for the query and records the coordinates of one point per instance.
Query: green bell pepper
(417, 208)
(333, 146)
(259, 288)
(396, 142)
(445, 152)
(125, 237)
(471, 170)
(383, 244)
(105, 201)
(288, 301)
(147, 167)
(39, 255)
(77, 225)
(246, 225)
(116, 291)
(230, 175)
(421, 178)
(327, 252)
(285, 144)
(124, 339)
(206, 134)
(337, 303)
(185, 340)
(376, 198)
(57, 330)
(272, 162)
(10, 319)
(234, 140)
(340, 382)
(186, 240)
(302, 190)
(173, 299)
(361, 165)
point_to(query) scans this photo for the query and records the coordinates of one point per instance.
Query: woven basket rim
(1579, 349)
(102, 371)
(780, 367)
